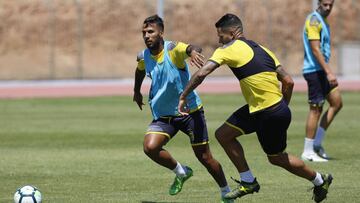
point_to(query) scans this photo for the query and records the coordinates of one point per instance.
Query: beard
(154, 45)
(324, 13)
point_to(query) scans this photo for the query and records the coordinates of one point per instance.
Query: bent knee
(225, 134)
(204, 158)
(207, 160)
(336, 103)
(150, 148)
(273, 160)
(276, 160)
(153, 143)
(339, 106)
(221, 136)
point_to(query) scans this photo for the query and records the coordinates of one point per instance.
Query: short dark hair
(156, 20)
(229, 20)
(319, 1)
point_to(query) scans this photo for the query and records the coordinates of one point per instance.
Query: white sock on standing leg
(308, 146)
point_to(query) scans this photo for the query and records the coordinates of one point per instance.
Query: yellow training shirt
(254, 66)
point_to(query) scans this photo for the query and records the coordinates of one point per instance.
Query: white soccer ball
(27, 194)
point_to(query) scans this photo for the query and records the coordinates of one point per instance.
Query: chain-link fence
(85, 39)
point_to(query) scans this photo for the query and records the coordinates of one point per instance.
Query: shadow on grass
(333, 158)
(161, 202)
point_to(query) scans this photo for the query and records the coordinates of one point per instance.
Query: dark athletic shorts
(270, 125)
(193, 125)
(318, 87)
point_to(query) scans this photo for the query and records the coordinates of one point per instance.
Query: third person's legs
(335, 104)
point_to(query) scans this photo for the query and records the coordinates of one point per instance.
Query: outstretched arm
(196, 80)
(287, 83)
(139, 78)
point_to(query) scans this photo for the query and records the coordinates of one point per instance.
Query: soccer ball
(27, 194)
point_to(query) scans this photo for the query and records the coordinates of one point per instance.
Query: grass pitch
(90, 150)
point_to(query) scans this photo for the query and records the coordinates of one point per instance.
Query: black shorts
(270, 125)
(193, 125)
(318, 87)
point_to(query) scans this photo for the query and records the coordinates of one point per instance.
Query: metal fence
(87, 39)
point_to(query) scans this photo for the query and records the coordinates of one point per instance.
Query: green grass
(90, 150)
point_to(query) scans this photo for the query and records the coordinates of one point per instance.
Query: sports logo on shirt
(314, 21)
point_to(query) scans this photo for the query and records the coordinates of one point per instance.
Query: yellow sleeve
(219, 56)
(236, 54)
(313, 28)
(277, 62)
(140, 61)
(177, 53)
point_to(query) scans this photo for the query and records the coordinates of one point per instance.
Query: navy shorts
(270, 125)
(193, 125)
(318, 87)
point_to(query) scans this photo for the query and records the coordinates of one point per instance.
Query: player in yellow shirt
(266, 112)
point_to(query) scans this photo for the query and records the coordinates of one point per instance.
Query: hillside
(100, 38)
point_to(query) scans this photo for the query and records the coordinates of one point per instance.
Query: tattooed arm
(196, 80)
(287, 83)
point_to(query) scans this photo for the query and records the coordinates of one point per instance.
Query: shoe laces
(243, 189)
(237, 181)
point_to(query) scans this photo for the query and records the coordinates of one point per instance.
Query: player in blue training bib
(321, 81)
(164, 63)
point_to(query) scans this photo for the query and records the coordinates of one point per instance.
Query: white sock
(179, 170)
(247, 176)
(320, 134)
(224, 190)
(309, 145)
(318, 180)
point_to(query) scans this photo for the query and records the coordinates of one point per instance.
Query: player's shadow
(161, 202)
